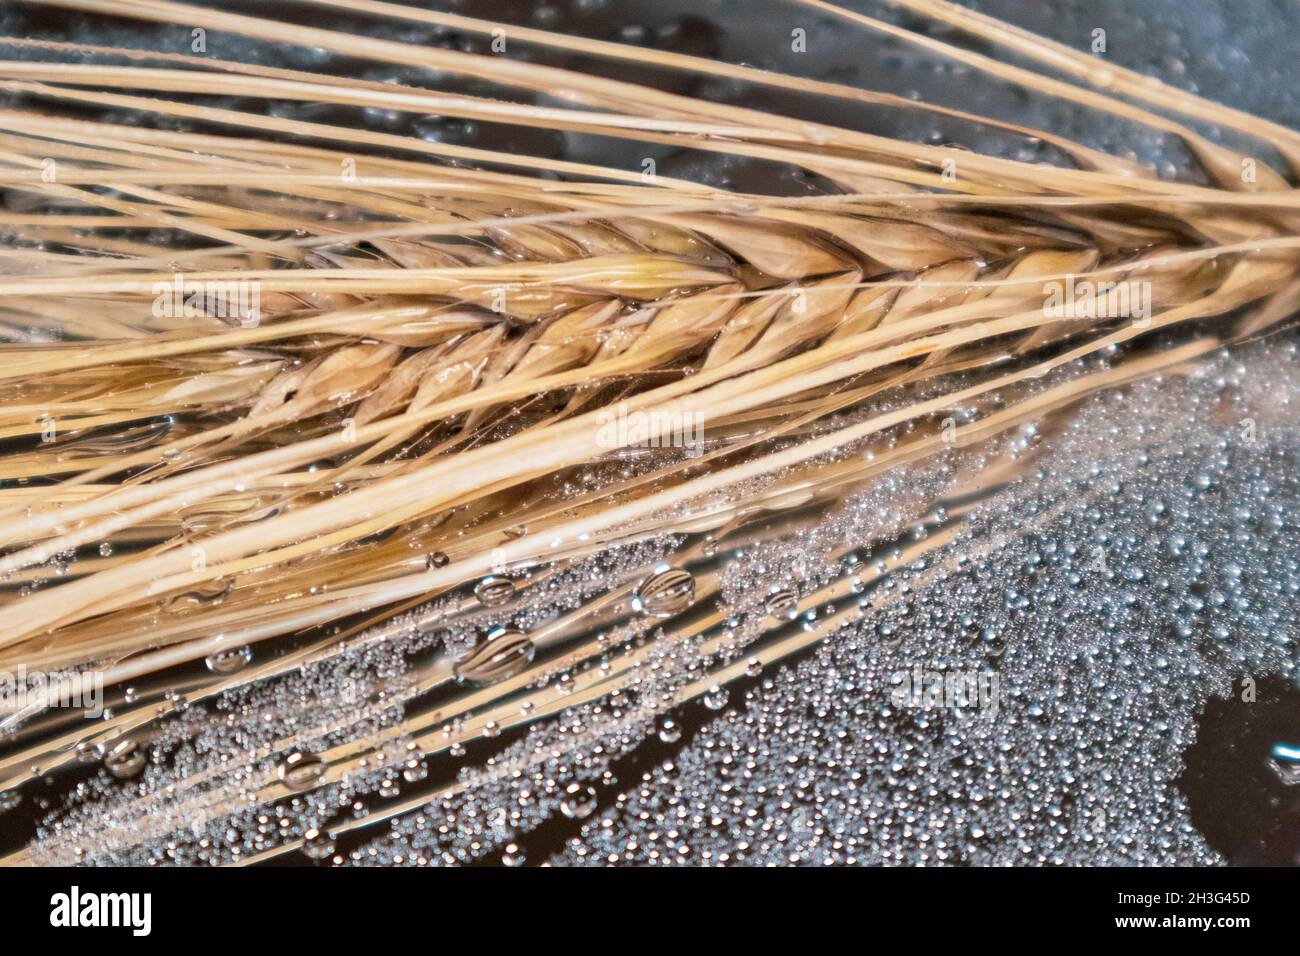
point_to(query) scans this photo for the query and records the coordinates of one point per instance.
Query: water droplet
(124, 440)
(300, 771)
(783, 603)
(317, 844)
(1285, 761)
(504, 653)
(668, 591)
(669, 731)
(578, 802)
(513, 855)
(716, 697)
(230, 661)
(125, 759)
(437, 559)
(207, 594)
(493, 591)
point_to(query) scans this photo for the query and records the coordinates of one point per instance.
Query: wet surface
(1235, 795)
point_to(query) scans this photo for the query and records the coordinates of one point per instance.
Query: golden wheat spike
(435, 349)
